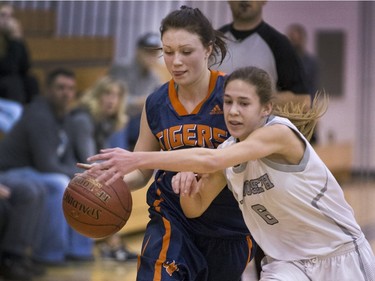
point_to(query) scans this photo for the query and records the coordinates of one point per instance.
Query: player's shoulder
(217, 82)
(218, 75)
(274, 119)
(160, 91)
(158, 96)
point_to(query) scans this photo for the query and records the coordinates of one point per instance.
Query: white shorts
(350, 262)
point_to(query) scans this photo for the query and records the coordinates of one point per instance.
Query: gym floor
(360, 194)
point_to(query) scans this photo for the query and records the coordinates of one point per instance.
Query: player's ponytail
(304, 120)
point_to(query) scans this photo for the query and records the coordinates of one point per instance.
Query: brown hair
(195, 22)
(91, 100)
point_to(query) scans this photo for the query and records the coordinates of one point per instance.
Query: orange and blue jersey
(174, 128)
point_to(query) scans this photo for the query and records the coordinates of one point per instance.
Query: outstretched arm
(278, 140)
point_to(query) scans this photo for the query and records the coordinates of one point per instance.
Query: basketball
(94, 209)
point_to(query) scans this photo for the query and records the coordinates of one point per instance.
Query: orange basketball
(95, 209)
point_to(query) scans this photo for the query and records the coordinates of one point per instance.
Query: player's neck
(193, 94)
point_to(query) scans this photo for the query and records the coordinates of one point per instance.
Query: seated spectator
(98, 115)
(38, 149)
(140, 79)
(95, 123)
(20, 203)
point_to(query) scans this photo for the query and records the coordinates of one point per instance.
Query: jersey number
(264, 214)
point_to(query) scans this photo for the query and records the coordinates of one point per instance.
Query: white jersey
(294, 212)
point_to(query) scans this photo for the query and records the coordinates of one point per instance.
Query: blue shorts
(170, 251)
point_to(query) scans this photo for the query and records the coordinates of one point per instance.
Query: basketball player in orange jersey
(187, 112)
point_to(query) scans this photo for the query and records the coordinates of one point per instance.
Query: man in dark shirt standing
(253, 42)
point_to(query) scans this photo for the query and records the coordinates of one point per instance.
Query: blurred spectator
(140, 79)
(99, 115)
(14, 60)
(253, 42)
(20, 211)
(37, 148)
(8, 22)
(298, 37)
(6, 15)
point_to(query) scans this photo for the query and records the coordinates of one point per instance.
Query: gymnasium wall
(349, 117)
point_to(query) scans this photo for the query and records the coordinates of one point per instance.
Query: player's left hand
(185, 183)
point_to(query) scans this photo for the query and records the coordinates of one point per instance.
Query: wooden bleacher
(88, 57)
(339, 159)
(37, 23)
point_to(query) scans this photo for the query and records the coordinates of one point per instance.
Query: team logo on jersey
(256, 186)
(170, 267)
(216, 110)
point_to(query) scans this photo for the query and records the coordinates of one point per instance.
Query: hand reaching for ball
(110, 164)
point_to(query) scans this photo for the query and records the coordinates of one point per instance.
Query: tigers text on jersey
(215, 246)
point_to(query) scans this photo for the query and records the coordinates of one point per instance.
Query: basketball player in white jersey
(292, 204)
